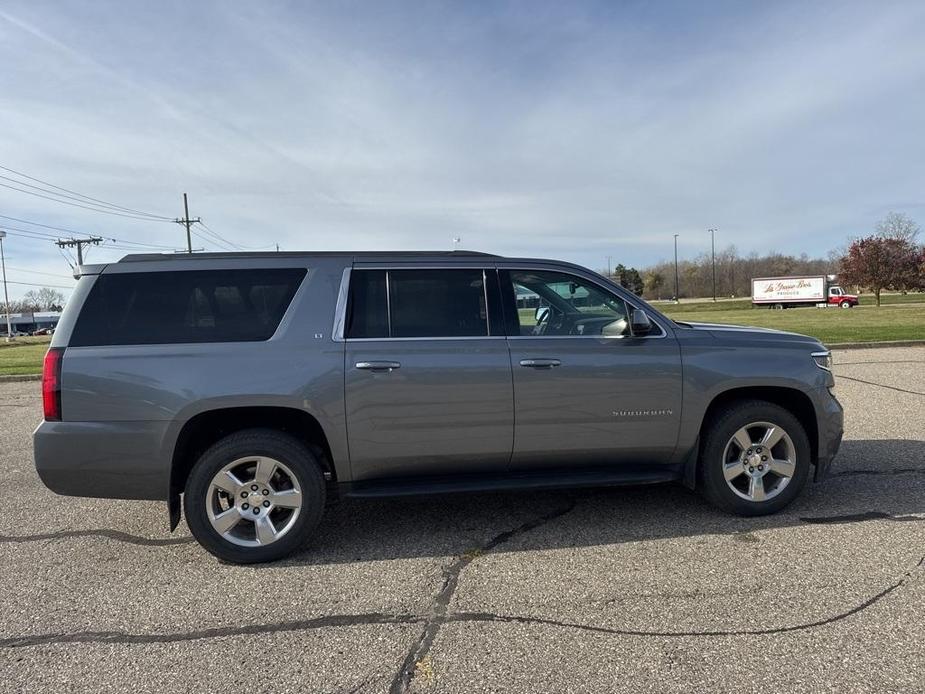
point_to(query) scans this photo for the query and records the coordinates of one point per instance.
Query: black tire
(720, 431)
(845, 304)
(255, 442)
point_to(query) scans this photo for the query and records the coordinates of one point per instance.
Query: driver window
(557, 304)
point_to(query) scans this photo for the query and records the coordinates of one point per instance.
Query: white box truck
(808, 290)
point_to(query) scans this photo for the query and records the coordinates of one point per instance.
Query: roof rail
(142, 257)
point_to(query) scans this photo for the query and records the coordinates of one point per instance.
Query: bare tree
(44, 299)
(899, 226)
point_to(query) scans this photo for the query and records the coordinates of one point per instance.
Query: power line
(212, 242)
(44, 226)
(74, 192)
(79, 199)
(42, 236)
(36, 272)
(220, 237)
(33, 284)
(92, 209)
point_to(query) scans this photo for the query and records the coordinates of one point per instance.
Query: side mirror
(541, 313)
(640, 323)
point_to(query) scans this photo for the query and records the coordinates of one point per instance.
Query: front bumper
(831, 425)
(113, 460)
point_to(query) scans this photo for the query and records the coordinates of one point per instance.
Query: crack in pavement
(117, 535)
(859, 517)
(376, 618)
(342, 620)
(438, 614)
(880, 385)
(893, 471)
(889, 361)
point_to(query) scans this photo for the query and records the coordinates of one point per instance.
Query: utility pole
(677, 291)
(609, 273)
(187, 222)
(80, 243)
(713, 254)
(6, 295)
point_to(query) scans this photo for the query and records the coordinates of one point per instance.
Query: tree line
(889, 259)
(44, 299)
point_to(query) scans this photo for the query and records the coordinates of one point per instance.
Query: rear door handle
(378, 365)
(540, 363)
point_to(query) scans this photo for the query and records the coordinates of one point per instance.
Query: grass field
(899, 318)
(864, 323)
(22, 356)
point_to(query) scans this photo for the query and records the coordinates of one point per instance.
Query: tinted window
(417, 303)
(186, 306)
(437, 303)
(367, 310)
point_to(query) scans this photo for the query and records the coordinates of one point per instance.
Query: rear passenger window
(417, 303)
(186, 307)
(437, 303)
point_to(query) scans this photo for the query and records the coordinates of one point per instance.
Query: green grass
(899, 318)
(701, 305)
(23, 356)
(864, 323)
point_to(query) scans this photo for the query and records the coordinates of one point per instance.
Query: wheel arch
(793, 400)
(206, 428)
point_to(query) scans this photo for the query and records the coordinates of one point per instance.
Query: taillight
(51, 384)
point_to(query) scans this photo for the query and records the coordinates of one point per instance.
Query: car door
(587, 392)
(427, 373)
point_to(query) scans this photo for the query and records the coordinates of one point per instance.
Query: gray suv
(259, 385)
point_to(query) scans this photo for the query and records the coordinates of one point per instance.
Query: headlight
(823, 360)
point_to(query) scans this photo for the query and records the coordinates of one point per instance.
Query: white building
(30, 322)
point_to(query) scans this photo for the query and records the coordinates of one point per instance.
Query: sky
(576, 130)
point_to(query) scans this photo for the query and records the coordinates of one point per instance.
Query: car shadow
(870, 480)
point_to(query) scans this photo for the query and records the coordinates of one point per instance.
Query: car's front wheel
(755, 458)
(254, 496)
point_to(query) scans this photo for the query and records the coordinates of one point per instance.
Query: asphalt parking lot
(631, 589)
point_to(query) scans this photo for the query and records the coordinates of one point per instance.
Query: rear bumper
(831, 424)
(114, 460)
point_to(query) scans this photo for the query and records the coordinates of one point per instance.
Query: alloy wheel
(759, 461)
(253, 501)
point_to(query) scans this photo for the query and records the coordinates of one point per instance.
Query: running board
(510, 481)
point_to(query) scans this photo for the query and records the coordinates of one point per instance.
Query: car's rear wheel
(254, 496)
(755, 458)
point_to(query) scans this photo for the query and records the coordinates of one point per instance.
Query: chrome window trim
(340, 310)
(513, 267)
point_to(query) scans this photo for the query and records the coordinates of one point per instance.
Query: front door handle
(540, 363)
(378, 365)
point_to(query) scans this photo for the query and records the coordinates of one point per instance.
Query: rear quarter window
(186, 306)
